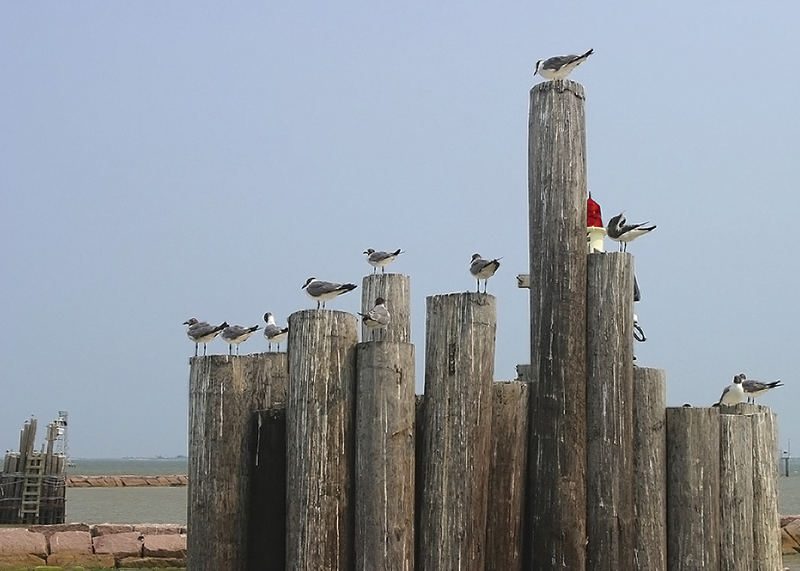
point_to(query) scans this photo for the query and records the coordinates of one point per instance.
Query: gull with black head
(381, 259)
(235, 334)
(202, 332)
(273, 333)
(322, 291)
(620, 231)
(377, 318)
(559, 67)
(483, 269)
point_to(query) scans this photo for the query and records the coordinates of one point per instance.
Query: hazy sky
(162, 160)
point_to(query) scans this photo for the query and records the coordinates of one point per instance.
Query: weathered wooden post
(396, 290)
(766, 520)
(320, 417)
(649, 469)
(693, 488)
(224, 391)
(507, 463)
(384, 502)
(736, 492)
(459, 365)
(556, 530)
(609, 412)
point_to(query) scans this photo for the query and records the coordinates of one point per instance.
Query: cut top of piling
(561, 86)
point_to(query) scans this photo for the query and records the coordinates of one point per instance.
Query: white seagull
(235, 334)
(559, 67)
(202, 332)
(381, 259)
(483, 269)
(273, 333)
(623, 233)
(377, 318)
(733, 393)
(754, 389)
(321, 291)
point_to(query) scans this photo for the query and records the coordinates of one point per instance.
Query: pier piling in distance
(459, 366)
(609, 412)
(320, 418)
(396, 290)
(224, 391)
(384, 476)
(556, 530)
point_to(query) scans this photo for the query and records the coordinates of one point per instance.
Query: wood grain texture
(396, 290)
(766, 520)
(320, 417)
(507, 463)
(693, 489)
(609, 412)
(385, 420)
(459, 364)
(649, 469)
(736, 492)
(556, 530)
(224, 391)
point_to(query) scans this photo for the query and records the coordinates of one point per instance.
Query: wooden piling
(320, 419)
(692, 488)
(507, 463)
(224, 391)
(609, 412)
(649, 469)
(766, 520)
(385, 410)
(556, 530)
(736, 492)
(396, 290)
(459, 364)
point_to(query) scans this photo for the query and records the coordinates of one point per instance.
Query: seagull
(235, 334)
(733, 393)
(483, 269)
(623, 233)
(323, 291)
(559, 67)
(377, 318)
(753, 389)
(202, 332)
(273, 333)
(380, 259)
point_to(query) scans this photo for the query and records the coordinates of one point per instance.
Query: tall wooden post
(557, 231)
(736, 492)
(766, 520)
(692, 489)
(459, 365)
(609, 412)
(320, 415)
(224, 391)
(396, 290)
(384, 502)
(507, 463)
(650, 469)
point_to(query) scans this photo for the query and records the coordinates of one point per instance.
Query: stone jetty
(79, 481)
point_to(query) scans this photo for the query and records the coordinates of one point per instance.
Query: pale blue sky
(162, 160)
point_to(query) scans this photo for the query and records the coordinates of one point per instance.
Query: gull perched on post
(321, 291)
(733, 393)
(235, 334)
(202, 332)
(753, 389)
(559, 67)
(381, 259)
(483, 269)
(377, 318)
(623, 233)
(273, 333)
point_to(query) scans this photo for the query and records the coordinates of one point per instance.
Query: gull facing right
(483, 269)
(273, 333)
(377, 318)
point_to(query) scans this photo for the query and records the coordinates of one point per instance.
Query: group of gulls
(742, 389)
(377, 318)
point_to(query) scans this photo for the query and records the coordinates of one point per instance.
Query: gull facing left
(733, 393)
(381, 259)
(202, 332)
(321, 291)
(377, 318)
(559, 67)
(619, 231)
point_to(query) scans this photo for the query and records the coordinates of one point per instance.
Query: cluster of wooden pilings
(324, 458)
(32, 483)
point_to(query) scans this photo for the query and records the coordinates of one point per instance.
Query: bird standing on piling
(273, 333)
(483, 269)
(623, 233)
(321, 291)
(377, 318)
(235, 334)
(559, 67)
(733, 393)
(381, 259)
(202, 332)
(753, 389)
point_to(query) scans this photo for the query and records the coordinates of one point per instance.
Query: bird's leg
(479, 286)
(383, 270)
(204, 349)
(195, 349)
